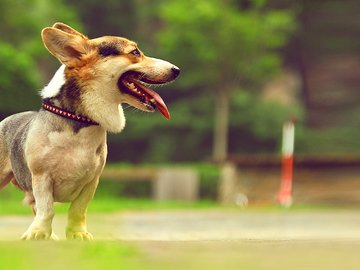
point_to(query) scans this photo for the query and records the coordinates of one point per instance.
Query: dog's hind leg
(76, 227)
(5, 178)
(30, 201)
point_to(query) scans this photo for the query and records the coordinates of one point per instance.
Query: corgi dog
(58, 153)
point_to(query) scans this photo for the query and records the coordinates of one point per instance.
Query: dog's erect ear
(64, 27)
(68, 48)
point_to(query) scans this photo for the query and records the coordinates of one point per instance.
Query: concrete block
(176, 184)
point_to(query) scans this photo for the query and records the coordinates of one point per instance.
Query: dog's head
(109, 68)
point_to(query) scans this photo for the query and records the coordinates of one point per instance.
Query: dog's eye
(136, 52)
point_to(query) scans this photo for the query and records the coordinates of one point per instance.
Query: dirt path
(206, 226)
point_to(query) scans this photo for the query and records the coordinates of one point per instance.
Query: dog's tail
(6, 174)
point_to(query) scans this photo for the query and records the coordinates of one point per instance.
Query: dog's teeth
(153, 100)
(131, 86)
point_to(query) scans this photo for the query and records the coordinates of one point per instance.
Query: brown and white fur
(56, 159)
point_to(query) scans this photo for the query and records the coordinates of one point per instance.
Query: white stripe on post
(288, 139)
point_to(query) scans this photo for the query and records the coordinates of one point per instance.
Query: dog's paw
(78, 235)
(36, 234)
(54, 237)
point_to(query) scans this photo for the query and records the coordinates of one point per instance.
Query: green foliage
(209, 180)
(22, 21)
(330, 141)
(216, 42)
(22, 50)
(256, 124)
(18, 79)
(107, 17)
(258, 121)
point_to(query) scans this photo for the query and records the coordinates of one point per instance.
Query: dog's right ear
(67, 47)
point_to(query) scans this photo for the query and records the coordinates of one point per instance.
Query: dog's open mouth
(135, 85)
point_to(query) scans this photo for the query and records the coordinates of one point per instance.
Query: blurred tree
(22, 50)
(107, 17)
(18, 80)
(22, 21)
(221, 46)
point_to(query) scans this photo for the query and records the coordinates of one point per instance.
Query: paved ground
(207, 226)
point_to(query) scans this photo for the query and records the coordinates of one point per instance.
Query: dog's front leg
(76, 227)
(40, 228)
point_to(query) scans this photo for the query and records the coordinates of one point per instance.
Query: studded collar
(72, 116)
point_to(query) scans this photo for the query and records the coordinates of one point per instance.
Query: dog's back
(13, 133)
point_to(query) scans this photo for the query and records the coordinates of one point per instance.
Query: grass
(67, 255)
(11, 204)
(250, 255)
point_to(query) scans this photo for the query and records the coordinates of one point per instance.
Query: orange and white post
(284, 196)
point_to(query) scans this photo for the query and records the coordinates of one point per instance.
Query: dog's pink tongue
(160, 104)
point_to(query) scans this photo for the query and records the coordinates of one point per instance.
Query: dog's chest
(74, 158)
(71, 160)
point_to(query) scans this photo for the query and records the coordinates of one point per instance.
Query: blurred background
(247, 67)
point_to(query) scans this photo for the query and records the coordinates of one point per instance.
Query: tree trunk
(221, 125)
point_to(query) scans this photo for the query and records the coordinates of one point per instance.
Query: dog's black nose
(176, 71)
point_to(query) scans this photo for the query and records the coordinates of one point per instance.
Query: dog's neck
(65, 94)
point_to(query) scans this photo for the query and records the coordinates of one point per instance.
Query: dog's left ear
(69, 48)
(64, 27)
